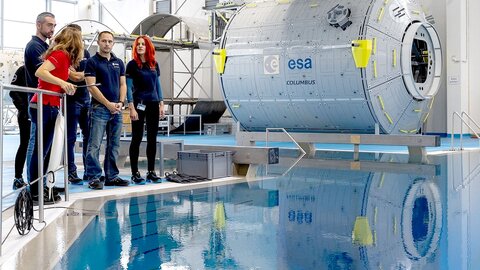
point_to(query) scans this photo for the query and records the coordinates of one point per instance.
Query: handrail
(461, 128)
(474, 122)
(39, 138)
(267, 130)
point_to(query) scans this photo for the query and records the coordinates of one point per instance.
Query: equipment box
(208, 164)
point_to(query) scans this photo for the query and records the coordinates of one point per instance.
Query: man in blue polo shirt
(37, 46)
(106, 113)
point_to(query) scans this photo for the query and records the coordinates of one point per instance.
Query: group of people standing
(96, 89)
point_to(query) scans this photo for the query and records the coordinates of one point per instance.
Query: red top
(61, 61)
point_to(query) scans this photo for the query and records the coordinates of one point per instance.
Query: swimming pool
(381, 213)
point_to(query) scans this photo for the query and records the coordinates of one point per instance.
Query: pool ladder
(462, 118)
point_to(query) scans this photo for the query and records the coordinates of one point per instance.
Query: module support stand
(416, 143)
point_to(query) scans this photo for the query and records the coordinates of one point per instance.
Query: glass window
(17, 9)
(64, 13)
(17, 34)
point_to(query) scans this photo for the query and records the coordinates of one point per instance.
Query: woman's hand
(68, 88)
(133, 113)
(161, 109)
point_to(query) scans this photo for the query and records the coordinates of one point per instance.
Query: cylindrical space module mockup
(330, 66)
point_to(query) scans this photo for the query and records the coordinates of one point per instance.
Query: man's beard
(46, 35)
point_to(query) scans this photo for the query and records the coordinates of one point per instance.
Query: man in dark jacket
(20, 100)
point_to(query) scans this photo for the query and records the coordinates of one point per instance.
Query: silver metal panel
(395, 101)
(413, 117)
(384, 19)
(382, 58)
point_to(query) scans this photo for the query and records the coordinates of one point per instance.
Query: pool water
(382, 213)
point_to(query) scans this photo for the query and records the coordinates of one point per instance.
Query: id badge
(141, 107)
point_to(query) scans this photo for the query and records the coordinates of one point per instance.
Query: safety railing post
(453, 131)
(65, 153)
(1, 165)
(39, 139)
(39, 129)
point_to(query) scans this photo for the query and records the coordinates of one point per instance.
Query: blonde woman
(65, 51)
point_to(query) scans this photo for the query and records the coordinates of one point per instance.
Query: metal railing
(461, 117)
(303, 152)
(171, 118)
(40, 92)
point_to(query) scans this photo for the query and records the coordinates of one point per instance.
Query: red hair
(149, 52)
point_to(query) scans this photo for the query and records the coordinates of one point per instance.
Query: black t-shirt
(20, 99)
(81, 94)
(144, 81)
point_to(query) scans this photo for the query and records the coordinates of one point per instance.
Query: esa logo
(271, 64)
(300, 63)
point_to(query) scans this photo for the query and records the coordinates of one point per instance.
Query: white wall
(462, 72)
(457, 26)
(437, 122)
(474, 59)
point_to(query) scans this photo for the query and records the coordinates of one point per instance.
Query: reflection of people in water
(217, 256)
(151, 246)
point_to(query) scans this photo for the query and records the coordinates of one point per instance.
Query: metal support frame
(192, 71)
(416, 143)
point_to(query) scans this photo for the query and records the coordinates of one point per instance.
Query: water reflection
(376, 213)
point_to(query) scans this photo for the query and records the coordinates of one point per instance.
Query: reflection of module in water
(330, 67)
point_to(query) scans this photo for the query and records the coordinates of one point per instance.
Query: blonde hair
(70, 41)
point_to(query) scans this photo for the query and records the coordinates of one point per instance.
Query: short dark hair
(105, 32)
(75, 26)
(41, 17)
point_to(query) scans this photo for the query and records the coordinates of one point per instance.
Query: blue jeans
(77, 114)
(49, 116)
(101, 122)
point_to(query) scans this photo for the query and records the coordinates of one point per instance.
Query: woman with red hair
(145, 102)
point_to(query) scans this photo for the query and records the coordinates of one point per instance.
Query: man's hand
(114, 107)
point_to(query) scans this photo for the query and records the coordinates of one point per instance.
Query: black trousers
(150, 117)
(20, 100)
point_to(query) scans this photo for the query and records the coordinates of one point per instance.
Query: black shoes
(117, 181)
(95, 184)
(18, 183)
(58, 189)
(99, 183)
(47, 200)
(152, 177)
(137, 179)
(74, 179)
